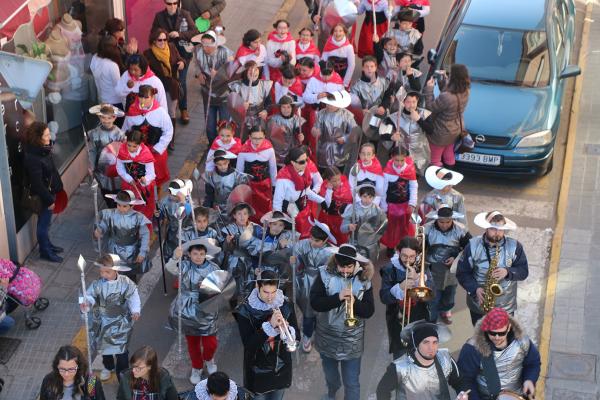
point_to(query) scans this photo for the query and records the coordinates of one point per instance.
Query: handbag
(464, 143)
(32, 202)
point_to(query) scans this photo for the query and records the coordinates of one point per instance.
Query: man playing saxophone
(503, 255)
(342, 297)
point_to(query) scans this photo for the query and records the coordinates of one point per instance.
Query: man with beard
(492, 247)
(425, 372)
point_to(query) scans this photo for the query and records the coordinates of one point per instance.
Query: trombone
(286, 335)
(350, 321)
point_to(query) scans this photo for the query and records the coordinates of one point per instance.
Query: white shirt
(158, 118)
(315, 86)
(285, 190)
(346, 52)
(361, 176)
(106, 76)
(272, 47)
(122, 89)
(150, 174)
(265, 155)
(413, 187)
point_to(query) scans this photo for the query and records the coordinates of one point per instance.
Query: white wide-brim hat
(483, 219)
(324, 228)
(435, 214)
(117, 264)
(340, 99)
(439, 177)
(211, 246)
(97, 110)
(133, 201)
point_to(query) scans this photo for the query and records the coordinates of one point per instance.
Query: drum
(509, 395)
(107, 162)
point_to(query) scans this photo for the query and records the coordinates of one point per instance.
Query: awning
(13, 14)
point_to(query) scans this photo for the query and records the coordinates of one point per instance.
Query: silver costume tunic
(371, 221)
(479, 262)
(509, 363)
(443, 245)
(308, 261)
(453, 198)
(333, 125)
(168, 209)
(416, 141)
(189, 233)
(98, 139)
(111, 317)
(406, 39)
(194, 321)
(416, 382)
(239, 261)
(283, 134)
(255, 95)
(387, 65)
(127, 236)
(276, 254)
(219, 60)
(370, 93)
(223, 185)
(332, 338)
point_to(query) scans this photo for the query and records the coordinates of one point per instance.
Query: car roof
(509, 14)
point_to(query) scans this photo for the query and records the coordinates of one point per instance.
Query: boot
(172, 144)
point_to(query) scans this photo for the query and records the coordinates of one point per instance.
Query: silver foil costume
(283, 134)
(223, 185)
(443, 245)
(332, 338)
(370, 93)
(276, 255)
(128, 237)
(168, 209)
(406, 39)
(453, 198)
(219, 61)
(333, 125)
(98, 139)
(255, 95)
(194, 321)
(308, 261)
(371, 221)
(111, 317)
(479, 261)
(415, 139)
(421, 383)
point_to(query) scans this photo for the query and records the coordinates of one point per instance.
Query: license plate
(476, 158)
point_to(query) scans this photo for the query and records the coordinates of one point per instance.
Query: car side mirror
(431, 56)
(570, 71)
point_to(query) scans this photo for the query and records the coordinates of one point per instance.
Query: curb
(561, 209)
(192, 160)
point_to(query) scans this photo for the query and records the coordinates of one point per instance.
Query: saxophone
(491, 289)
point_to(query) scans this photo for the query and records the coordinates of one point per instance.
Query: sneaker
(306, 344)
(446, 317)
(105, 374)
(196, 376)
(211, 366)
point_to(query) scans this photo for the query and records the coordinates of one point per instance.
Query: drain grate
(8, 347)
(592, 149)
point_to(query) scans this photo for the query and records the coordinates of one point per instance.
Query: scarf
(332, 44)
(234, 146)
(301, 182)
(374, 168)
(247, 147)
(244, 51)
(335, 78)
(147, 75)
(275, 38)
(144, 155)
(164, 57)
(407, 173)
(135, 109)
(311, 49)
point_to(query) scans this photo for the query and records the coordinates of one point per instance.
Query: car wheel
(550, 166)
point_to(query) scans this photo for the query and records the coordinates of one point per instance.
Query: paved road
(531, 203)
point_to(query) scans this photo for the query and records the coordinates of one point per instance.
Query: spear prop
(180, 217)
(160, 242)
(81, 264)
(94, 187)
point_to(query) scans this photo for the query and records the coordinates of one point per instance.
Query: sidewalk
(574, 348)
(72, 230)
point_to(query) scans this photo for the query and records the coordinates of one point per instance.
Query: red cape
(409, 173)
(301, 182)
(148, 74)
(273, 36)
(311, 50)
(374, 168)
(235, 148)
(145, 156)
(296, 87)
(244, 51)
(247, 147)
(135, 110)
(330, 46)
(335, 78)
(341, 195)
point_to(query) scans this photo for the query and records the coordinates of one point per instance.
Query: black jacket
(43, 176)
(46, 393)
(167, 388)
(162, 19)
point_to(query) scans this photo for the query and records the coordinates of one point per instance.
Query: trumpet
(286, 335)
(350, 321)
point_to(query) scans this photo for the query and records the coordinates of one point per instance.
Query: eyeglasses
(500, 334)
(139, 368)
(301, 162)
(161, 40)
(67, 370)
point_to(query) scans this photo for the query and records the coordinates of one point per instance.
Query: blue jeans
(308, 325)
(442, 302)
(43, 226)
(216, 113)
(183, 86)
(275, 395)
(350, 377)
(6, 324)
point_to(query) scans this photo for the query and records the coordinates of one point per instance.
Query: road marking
(563, 200)
(543, 210)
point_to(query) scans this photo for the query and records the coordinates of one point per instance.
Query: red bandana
(246, 51)
(409, 173)
(310, 50)
(144, 156)
(235, 148)
(247, 147)
(135, 110)
(148, 74)
(301, 182)
(374, 168)
(275, 38)
(330, 46)
(495, 319)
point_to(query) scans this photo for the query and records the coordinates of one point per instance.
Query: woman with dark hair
(339, 50)
(115, 27)
(146, 116)
(163, 58)
(445, 125)
(138, 73)
(297, 183)
(69, 379)
(281, 49)
(106, 67)
(145, 379)
(250, 50)
(44, 181)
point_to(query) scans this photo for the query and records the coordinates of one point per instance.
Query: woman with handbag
(445, 126)
(45, 183)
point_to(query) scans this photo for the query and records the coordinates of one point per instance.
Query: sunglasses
(171, 4)
(499, 334)
(161, 40)
(301, 162)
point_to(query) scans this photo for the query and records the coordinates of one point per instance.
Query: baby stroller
(24, 289)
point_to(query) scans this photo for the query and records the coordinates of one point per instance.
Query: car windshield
(494, 55)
